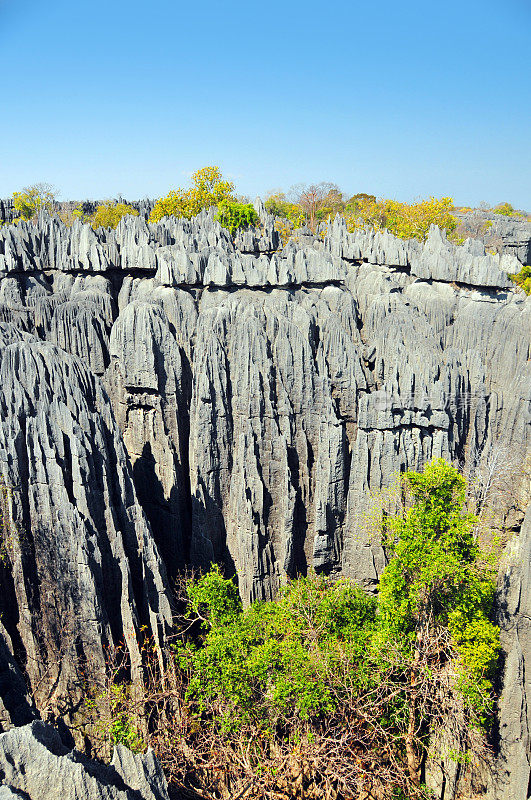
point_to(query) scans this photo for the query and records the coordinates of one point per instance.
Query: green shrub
(233, 215)
(438, 581)
(326, 688)
(506, 210)
(321, 648)
(276, 660)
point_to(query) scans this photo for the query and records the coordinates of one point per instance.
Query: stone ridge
(80, 572)
(201, 253)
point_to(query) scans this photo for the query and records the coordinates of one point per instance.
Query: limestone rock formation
(514, 613)
(511, 234)
(170, 395)
(35, 765)
(79, 571)
(7, 211)
(264, 394)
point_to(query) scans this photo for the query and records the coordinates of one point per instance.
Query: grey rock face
(7, 211)
(16, 707)
(467, 264)
(80, 569)
(35, 765)
(514, 604)
(437, 259)
(512, 233)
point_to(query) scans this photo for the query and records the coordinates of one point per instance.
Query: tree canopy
(109, 214)
(208, 189)
(405, 220)
(234, 215)
(34, 198)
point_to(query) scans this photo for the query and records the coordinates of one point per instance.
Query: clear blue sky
(399, 99)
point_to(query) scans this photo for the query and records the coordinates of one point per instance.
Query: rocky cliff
(170, 395)
(511, 235)
(35, 765)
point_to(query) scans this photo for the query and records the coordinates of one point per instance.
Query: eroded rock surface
(514, 613)
(510, 234)
(35, 765)
(79, 571)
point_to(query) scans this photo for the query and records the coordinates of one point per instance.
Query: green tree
(279, 206)
(358, 200)
(33, 199)
(233, 215)
(506, 210)
(208, 189)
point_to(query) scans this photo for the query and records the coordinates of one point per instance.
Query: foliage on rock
(523, 278)
(407, 221)
(507, 210)
(279, 206)
(327, 689)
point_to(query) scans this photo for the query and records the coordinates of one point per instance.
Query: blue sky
(399, 99)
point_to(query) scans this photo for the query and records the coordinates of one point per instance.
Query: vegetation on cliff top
(109, 214)
(32, 199)
(310, 205)
(233, 215)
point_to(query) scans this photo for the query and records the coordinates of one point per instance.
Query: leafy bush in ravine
(327, 691)
(275, 663)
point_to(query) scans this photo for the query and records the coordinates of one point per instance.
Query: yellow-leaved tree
(208, 189)
(33, 199)
(406, 220)
(109, 214)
